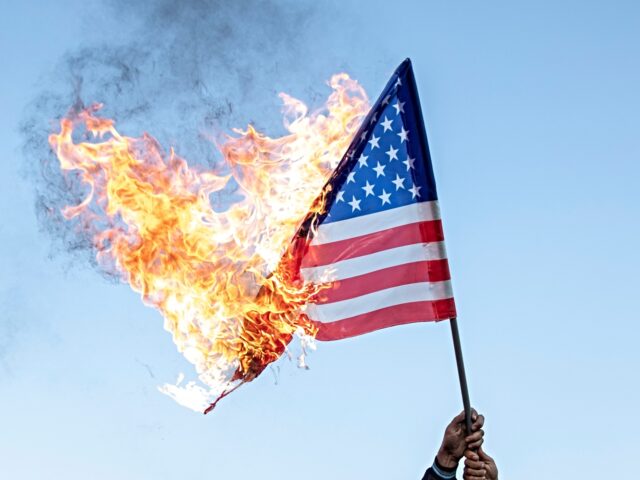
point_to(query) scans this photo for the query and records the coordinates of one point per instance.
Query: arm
(454, 444)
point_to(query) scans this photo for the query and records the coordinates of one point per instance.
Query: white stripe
(352, 267)
(414, 292)
(374, 222)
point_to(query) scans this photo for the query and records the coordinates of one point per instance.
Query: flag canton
(388, 164)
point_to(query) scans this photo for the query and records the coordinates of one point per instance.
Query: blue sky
(532, 116)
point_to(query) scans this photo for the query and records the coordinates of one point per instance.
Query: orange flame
(227, 295)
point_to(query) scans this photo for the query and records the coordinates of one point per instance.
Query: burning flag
(232, 286)
(376, 249)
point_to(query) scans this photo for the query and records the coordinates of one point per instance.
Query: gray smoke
(181, 71)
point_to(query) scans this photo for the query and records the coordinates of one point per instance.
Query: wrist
(447, 460)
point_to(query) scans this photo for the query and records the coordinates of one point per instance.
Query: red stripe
(387, 317)
(425, 271)
(419, 232)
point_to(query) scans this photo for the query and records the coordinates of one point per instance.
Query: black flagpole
(461, 374)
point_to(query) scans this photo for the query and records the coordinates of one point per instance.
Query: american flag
(378, 246)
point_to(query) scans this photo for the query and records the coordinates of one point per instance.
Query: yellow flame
(219, 279)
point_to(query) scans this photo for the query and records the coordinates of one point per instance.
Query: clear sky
(532, 115)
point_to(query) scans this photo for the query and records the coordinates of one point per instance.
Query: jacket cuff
(444, 473)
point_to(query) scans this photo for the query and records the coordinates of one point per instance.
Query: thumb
(459, 418)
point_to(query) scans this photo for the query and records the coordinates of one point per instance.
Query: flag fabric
(378, 247)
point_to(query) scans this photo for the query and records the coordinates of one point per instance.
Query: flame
(223, 281)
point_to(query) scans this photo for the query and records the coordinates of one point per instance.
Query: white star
(373, 120)
(374, 142)
(386, 100)
(351, 177)
(404, 135)
(415, 190)
(368, 189)
(340, 197)
(398, 182)
(392, 152)
(379, 169)
(355, 204)
(362, 160)
(398, 82)
(384, 197)
(386, 124)
(363, 136)
(399, 106)
(409, 163)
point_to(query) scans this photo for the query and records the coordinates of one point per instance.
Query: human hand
(456, 440)
(479, 466)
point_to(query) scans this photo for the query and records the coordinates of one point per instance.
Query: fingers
(462, 415)
(468, 476)
(473, 468)
(474, 465)
(474, 474)
(471, 455)
(475, 445)
(478, 422)
(475, 440)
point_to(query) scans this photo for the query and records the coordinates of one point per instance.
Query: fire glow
(228, 296)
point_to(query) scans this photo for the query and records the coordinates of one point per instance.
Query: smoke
(182, 71)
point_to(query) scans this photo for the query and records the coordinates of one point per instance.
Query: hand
(456, 440)
(479, 466)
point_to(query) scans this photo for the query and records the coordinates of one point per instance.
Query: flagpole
(455, 334)
(454, 322)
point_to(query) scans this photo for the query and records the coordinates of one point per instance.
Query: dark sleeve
(438, 472)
